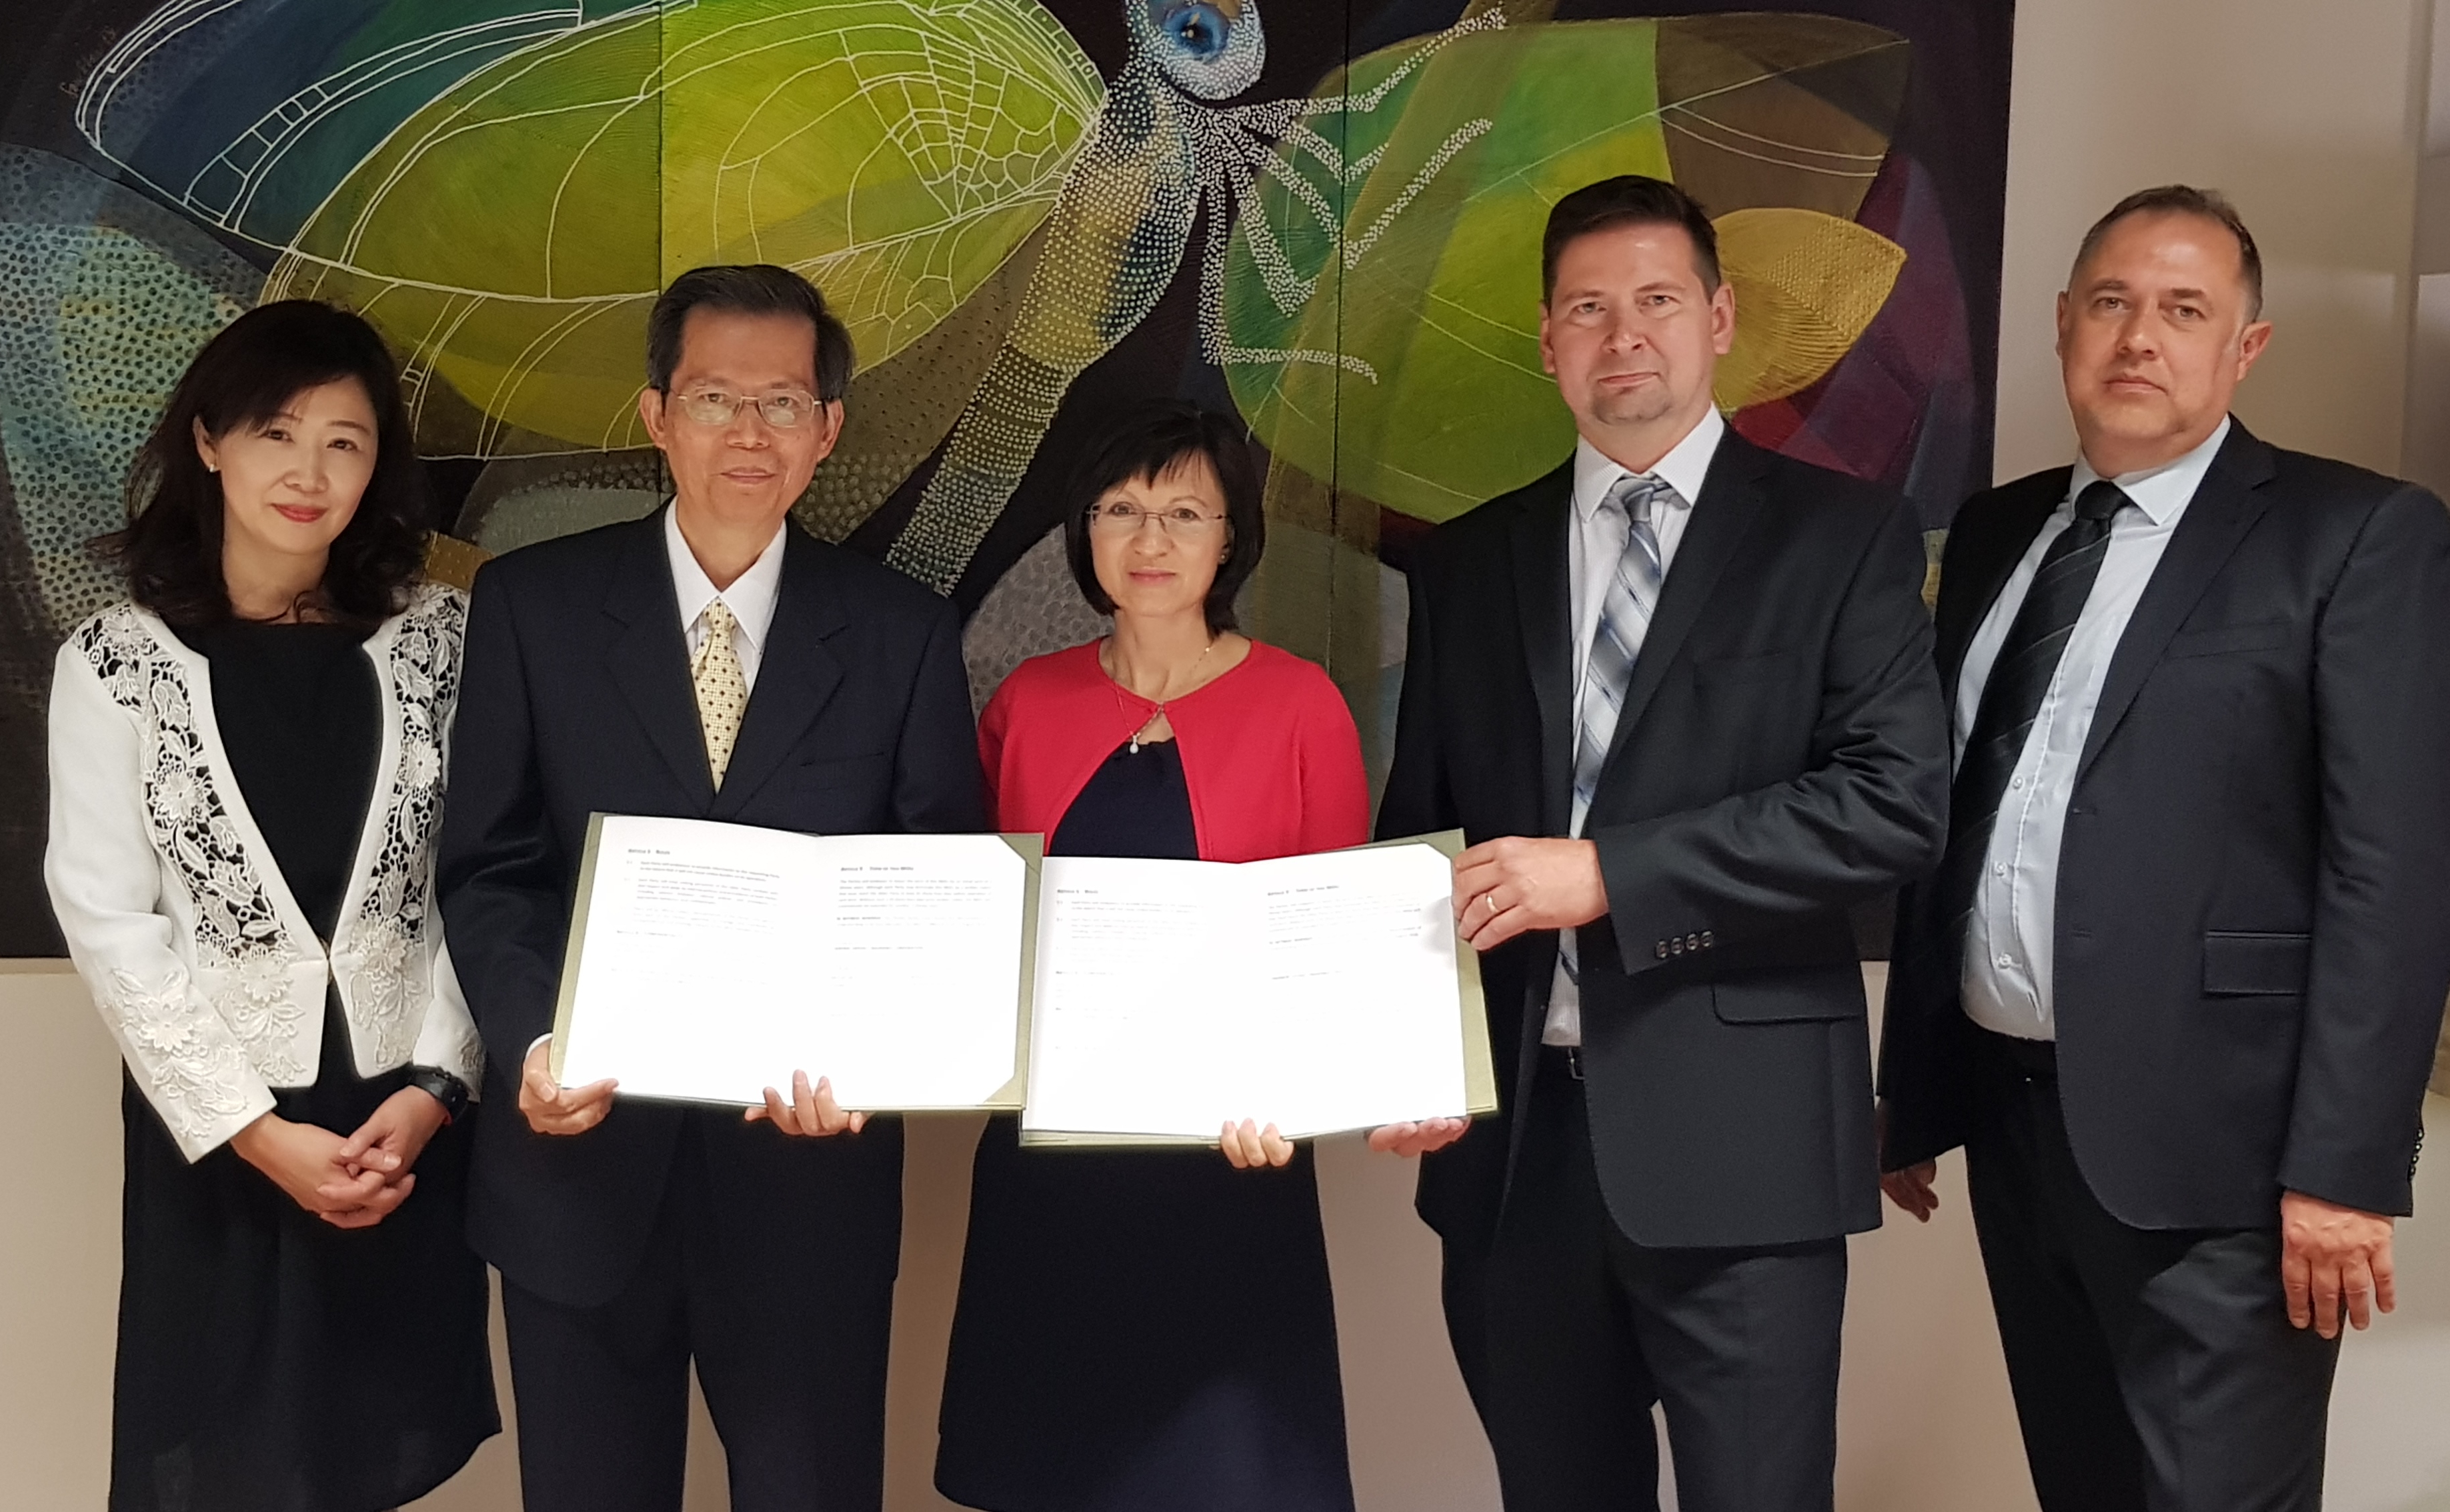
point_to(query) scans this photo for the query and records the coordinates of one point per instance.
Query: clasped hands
(351, 1183)
(553, 1109)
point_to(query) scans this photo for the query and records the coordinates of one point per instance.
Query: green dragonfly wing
(246, 113)
(511, 236)
(1441, 175)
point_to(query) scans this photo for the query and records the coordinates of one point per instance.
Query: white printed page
(1135, 987)
(719, 958)
(1316, 993)
(1358, 962)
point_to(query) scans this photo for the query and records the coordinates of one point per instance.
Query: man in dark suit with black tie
(2175, 985)
(711, 661)
(1679, 694)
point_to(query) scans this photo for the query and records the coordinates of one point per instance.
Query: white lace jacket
(205, 971)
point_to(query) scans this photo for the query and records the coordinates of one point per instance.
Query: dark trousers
(1586, 1329)
(2153, 1371)
(794, 1378)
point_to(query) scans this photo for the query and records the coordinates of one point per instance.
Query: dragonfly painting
(1324, 213)
(957, 177)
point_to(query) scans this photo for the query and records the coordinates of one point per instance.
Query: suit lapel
(1985, 567)
(796, 674)
(1731, 500)
(1540, 596)
(647, 658)
(2225, 506)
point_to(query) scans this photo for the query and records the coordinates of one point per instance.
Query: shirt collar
(2159, 492)
(1683, 469)
(750, 597)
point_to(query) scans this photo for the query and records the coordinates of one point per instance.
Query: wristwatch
(443, 1087)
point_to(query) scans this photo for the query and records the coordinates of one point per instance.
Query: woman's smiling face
(291, 483)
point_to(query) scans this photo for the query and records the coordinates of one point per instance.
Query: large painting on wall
(1322, 215)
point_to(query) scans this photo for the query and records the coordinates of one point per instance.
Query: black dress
(1141, 1330)
(268, 1361)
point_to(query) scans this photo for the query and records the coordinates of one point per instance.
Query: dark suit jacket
(2253, 924)
(1781, 755)
(577, 700)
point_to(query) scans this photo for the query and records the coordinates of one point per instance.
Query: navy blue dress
(1141, 1330)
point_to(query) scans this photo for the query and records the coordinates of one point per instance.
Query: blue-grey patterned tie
(1625, 618)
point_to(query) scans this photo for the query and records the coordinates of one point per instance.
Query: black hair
(1146, 444)
(245, 377)
(2185, 199)
(749, 288)
(1628, 199)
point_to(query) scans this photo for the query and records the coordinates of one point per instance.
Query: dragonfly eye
(1211, 50)
(1200, 28)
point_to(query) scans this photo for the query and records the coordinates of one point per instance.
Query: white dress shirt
(750, 597)
(1593, 546)
(2007, 978)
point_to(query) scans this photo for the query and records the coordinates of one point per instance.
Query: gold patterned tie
(722, 690)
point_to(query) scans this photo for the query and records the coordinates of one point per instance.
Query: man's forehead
(744, 346)
(1645, 254)
(2158, 250)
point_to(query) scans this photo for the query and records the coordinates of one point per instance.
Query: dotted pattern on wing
(105, 298)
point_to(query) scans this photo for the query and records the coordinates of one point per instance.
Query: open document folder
(708, 962)
(1321, 994)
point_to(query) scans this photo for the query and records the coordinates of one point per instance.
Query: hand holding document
(1318, 992)
(710, 961)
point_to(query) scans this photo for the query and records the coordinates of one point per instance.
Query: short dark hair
(2185, 199)
(1146, 444)
(1629, 199)
(172, 549)
(746, 288)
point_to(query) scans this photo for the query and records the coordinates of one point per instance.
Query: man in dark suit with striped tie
(1679, 694)
(2175, 986)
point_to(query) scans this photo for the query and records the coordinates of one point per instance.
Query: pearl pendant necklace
(1193, 671)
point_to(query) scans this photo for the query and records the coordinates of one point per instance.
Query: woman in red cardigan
(1152, 1328)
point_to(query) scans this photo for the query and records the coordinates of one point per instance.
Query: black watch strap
(443, 1087)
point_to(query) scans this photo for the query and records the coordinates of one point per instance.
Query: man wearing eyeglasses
(711, 661)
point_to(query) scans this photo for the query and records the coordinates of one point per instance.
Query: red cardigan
(1269, 751)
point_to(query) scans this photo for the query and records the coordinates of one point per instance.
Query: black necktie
(2028, 658)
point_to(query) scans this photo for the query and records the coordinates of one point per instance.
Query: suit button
(1706, 940)
(1676, 947)
(1660, 950)
(1692, 942)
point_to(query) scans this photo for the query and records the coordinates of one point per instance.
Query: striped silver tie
(1625, 618)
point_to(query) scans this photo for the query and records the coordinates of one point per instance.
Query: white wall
(2310, 115)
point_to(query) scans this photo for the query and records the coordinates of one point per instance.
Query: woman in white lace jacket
(246, 783)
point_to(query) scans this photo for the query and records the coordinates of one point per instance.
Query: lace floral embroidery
(197, 1082)
(389, 935)
(238, 937)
